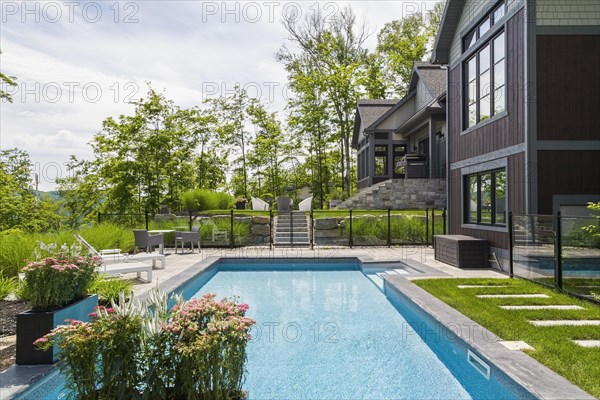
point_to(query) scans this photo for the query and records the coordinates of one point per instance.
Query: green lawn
(553, 345)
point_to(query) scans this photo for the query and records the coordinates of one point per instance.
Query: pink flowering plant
(196, 350)
(56, 282)
(209, 341)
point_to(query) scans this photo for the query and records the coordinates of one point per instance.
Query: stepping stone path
(566, 322)
(515, 296)
(550, 307)
(587, 343)
(516, 345)
(479, 286)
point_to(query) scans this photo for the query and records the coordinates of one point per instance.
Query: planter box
(33, 325)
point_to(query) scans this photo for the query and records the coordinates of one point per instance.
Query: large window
(485, 73)
(485, 198)
(381, 160)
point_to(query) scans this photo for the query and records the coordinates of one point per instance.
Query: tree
(9, 81)
(145, 160)
(331, 53)
(20, 207)
(271, 148)
(231, 114)
(402, 42)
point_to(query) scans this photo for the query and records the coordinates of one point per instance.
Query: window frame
(490, 47)
(381, 154)
(466, 196)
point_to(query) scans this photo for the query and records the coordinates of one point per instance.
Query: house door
(399, 153)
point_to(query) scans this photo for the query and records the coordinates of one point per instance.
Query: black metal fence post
(147, 220)
(350, 240)
(511, 244)
(389, 231)
(558, 251)
(291, 228)
(270, 229)
(231, 238)
(99, 217)
(312, 230)
(426, 226)
(432, 224)
(444, 220)
(190, 222)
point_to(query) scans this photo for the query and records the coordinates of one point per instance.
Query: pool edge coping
(535, 377)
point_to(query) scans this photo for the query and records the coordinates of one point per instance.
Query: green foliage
(402, 42)
(8, 285)
(223, 200)
(108, 289)
(19, 206)
(591, 236)
(204, 199)
(15, 248)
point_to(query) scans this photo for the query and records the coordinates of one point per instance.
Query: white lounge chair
(113, 256)
(306, 204)
(127, 267)
(259, 204)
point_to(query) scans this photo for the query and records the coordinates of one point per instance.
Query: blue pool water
(328, 332)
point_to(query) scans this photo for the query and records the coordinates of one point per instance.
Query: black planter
(32, 325)
(240, 206)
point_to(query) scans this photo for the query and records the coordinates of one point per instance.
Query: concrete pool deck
(182, 267)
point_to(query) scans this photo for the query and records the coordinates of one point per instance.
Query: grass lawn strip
(554, 346)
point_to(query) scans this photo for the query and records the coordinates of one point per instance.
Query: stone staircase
(400, 194)
(292, 229)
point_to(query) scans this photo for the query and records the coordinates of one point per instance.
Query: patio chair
(259, 204)
(111, 256)
(145, 240)
(184, 237)
(306, 204)
(216, 232)
(284, 203)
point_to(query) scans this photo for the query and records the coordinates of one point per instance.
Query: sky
(79, 62)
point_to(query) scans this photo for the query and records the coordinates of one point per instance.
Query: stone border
(538, 379)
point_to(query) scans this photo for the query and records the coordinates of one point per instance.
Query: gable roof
(445, 35)
(368, 111)
(433, 76)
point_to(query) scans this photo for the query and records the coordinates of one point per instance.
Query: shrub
(224, 200)
(199, 200)
(58, 280)
(195, 351)
(15, 248)
(8, 285)
(108, 289)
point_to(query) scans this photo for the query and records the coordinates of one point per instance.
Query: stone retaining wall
(400, 194)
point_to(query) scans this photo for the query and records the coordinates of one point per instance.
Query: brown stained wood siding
(516, 202)
(505, 132)
(568, 173)
(568, 84)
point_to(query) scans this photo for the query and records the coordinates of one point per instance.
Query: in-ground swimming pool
(325, 331)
